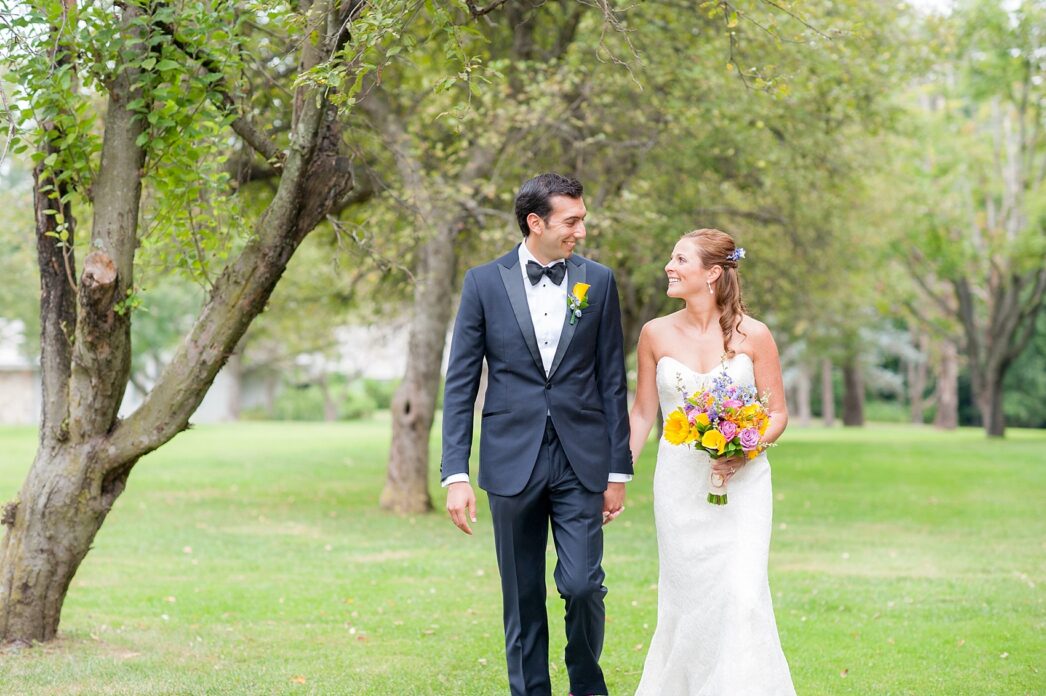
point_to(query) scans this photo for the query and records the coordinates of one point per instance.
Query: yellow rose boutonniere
(577, 300)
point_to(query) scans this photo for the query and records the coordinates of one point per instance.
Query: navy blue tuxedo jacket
(585, 391)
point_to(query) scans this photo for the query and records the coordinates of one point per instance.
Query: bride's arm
(768, 378)
(644, 407)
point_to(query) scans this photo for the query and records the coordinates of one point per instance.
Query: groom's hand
(461, 501)
(613, 501)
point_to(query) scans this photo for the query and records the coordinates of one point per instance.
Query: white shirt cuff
(620, 478)
(457, 478)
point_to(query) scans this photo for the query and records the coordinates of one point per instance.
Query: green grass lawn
(252, 558)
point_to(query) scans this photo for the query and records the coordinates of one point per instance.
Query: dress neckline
(696, 372)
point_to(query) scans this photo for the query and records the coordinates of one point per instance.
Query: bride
(716, 633)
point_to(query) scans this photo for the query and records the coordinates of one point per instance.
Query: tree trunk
(991, 408)
(947, 417)
(827, 393)
(991, 348)
(853, 393)
(50, 529)
(330, 408)
(917, 373)
(802, 395)
(57, 265)
(414, 404)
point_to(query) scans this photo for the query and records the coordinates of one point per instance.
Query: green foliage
(306, 401)
(163, 313)
(55, 124)
(1026, 383)
(381, 391)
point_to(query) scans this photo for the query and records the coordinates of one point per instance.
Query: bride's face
(686, 275)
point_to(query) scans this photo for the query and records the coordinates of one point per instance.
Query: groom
(554, 437)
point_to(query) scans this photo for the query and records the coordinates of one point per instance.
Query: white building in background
(374, 352)
(19, 377)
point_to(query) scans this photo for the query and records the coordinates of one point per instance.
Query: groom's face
(557, 238)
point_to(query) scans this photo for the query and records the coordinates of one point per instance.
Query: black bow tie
(555, 272)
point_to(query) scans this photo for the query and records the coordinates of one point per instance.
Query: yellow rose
(702, 419)
(677, 427)
(581, 290)
(714, 439)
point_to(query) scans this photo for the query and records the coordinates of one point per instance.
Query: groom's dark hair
(534, 195)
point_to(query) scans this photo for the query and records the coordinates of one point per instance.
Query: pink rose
(749, 439)
(731, 403)
(728, 429)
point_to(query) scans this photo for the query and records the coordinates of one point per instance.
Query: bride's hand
(727, 467)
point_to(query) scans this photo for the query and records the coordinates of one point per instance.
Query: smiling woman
(716, 628)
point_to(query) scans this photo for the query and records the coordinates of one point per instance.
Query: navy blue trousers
(521, 523)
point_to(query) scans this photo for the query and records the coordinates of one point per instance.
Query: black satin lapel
(517, 295)
(575, 274)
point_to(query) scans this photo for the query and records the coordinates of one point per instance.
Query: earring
(710, 290)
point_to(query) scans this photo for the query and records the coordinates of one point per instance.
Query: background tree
(452, 172)
(977, 248)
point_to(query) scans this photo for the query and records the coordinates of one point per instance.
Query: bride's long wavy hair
(716, 248)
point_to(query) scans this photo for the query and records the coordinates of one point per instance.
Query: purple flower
(731, 403)
(728, 428)
(749, 439)
(689, 408)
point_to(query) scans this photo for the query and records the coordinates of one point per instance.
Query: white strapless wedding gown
(716, 634)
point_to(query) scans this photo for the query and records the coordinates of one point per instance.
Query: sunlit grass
(252, 558)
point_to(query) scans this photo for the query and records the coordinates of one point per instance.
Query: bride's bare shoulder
(754, 335)
(752, 326)
(656, 331)
(659, 326)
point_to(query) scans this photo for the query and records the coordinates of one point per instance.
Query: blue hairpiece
(736, 255)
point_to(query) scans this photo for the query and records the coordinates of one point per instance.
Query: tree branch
(55, 244)
(478, 12)
(1029, 316)
(102, 351)
(311, 179)
(916, 272)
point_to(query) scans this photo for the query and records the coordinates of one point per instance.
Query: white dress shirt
(547, 302)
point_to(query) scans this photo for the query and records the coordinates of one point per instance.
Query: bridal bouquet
(724, 420)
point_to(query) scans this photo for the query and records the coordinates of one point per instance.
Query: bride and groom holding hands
(557, 444)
